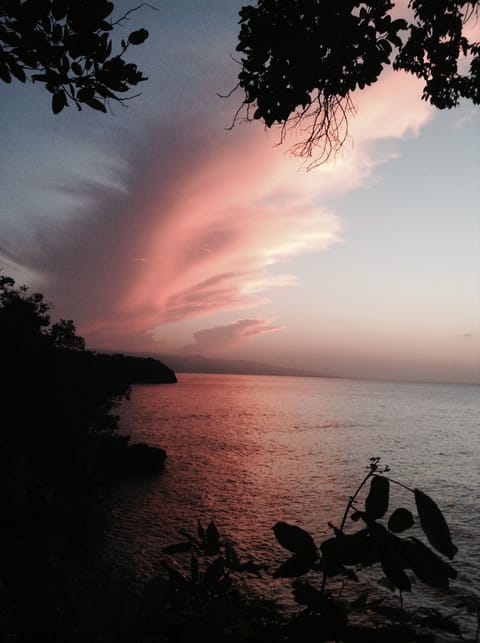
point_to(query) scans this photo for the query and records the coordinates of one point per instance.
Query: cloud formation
(213, 340)
(197, 221)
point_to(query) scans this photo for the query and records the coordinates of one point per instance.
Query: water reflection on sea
(247, 451)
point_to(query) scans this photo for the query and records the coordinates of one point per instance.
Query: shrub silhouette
(406, 564)
(58, 440)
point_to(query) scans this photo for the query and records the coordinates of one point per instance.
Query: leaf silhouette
(295, 539)
(294, 566)
(395, 574)
(59, 101)
(434, 525)
(400, 520)
(350, 549)
(214, 572)
(177, 548)
(5, 73)
(94, 103)
(175, 576)
(376, 503)
(137, 37)
(426, 565)
(212, 539)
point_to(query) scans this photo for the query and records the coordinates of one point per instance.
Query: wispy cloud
(212, 340)
(198, 220)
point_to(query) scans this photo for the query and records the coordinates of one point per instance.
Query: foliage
(56, 422)
(22, 317)
(63, 335)
(58, 446)
(70, 393)
(138, 370)
(67, 46)
(325, 614)
(302, 60)
(200, 600)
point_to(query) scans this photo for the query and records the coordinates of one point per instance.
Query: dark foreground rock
(120, 457)
(142, 458)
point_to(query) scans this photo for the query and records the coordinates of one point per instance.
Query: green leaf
(376, 503)
(434, 525)
(400, 520)
(295, 539)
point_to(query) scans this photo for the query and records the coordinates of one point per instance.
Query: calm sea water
(247, 451)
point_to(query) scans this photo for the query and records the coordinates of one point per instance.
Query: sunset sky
(157, 229)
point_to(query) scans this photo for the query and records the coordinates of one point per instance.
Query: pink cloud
(391, 108)
(204, 221)
(229, 291)
(215, 339)
(248, 207)
(213, 247)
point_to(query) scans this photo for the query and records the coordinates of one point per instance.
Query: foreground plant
(199, 598)
(380, 542)
(385, 542)
(67, 46)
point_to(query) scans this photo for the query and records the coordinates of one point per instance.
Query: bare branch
(125, 15)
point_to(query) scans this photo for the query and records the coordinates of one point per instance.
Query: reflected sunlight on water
(247, 451)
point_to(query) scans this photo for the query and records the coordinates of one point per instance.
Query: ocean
(247, 451)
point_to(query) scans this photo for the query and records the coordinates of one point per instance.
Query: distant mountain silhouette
(202, 364)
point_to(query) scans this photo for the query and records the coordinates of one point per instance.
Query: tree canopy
(66, 45)
(302, 60)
